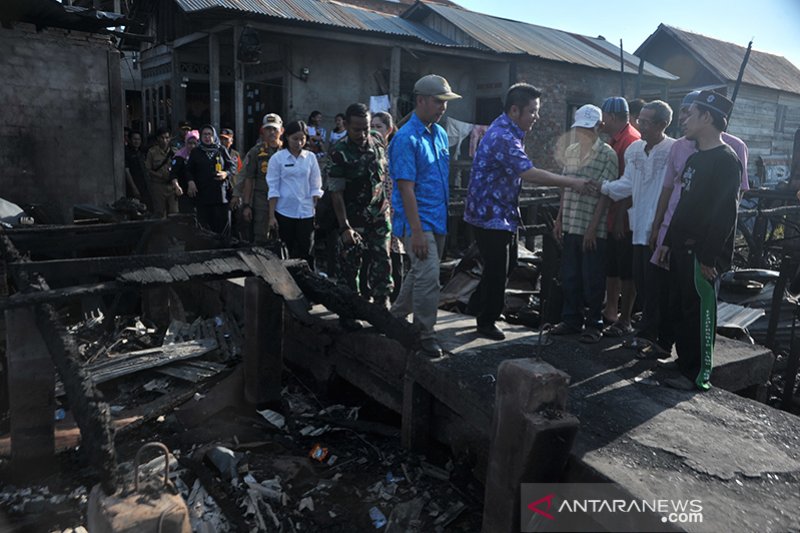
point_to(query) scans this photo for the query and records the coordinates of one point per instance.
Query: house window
(780, 118)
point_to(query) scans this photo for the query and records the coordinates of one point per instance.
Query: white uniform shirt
(643, 177)
(294, 181)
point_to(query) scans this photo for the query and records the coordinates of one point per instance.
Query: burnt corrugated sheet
(763, 69)
(514, 37)
(328, 13)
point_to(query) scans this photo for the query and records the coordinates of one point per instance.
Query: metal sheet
(327, 13)
(514, 37)
(763, 69)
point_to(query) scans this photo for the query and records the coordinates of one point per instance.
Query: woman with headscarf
(295, 185)
(382, 123)
(207, 172)
(178, 170)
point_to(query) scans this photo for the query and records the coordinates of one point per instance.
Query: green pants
(372, 254)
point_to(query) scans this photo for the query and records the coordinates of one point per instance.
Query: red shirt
(620, 142)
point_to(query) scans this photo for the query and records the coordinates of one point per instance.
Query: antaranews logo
(535, 506)
(601, 506)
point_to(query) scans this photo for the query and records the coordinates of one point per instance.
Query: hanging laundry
(475, 138)
(379, 103)
(457, 131)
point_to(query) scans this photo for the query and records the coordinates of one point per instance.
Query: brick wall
(563, 85)
(60, 119)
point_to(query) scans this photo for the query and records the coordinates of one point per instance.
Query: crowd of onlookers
(643, 217)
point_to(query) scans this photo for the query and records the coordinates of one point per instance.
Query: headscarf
(211, 150)
(184, 151)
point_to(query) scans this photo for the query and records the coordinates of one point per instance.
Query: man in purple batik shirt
(492, 204)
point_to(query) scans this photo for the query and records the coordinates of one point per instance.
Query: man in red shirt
(619, 248)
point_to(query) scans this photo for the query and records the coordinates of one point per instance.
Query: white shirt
(294, 181)
(643, 177)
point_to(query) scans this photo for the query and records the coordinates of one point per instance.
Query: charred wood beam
(112, 266)
(92, 415)
(347, 304)
(55, 240)
(148, 277)
(771, 212)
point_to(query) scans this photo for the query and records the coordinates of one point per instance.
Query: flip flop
(618, 329)
(562, 328)
(590, 336)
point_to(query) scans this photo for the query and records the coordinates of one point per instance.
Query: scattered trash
(332, 460)
(197, 396)
(434, 471)
(225, 460)
(318, 453)
(157, 385)
(274, 418)
(390, 478)
(377, 517)
(405, 516)
(306, 503)
(450, 515)
(59, 414)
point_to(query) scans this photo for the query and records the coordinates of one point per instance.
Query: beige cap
(433, 85)
(272, 120)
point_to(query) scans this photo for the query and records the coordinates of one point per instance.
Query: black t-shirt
(201, 167)
(134, 162)
(705, 218)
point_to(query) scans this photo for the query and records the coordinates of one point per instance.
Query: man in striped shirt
(581, 226)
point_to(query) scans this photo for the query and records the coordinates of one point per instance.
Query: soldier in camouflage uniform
(252, 189)
(357, 169)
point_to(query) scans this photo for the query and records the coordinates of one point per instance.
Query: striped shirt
(578, 209)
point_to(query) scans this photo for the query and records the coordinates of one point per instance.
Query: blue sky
(774, 25)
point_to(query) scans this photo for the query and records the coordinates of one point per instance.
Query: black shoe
(491, 331)
(430, 348)
(350, 324)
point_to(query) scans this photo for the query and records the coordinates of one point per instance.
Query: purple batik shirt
(495, 183)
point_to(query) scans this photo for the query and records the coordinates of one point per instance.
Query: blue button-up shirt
(495, 183)
(421, 155)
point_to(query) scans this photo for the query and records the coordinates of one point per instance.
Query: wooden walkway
(740, 457)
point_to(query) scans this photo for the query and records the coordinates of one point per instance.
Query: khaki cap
(433, 85)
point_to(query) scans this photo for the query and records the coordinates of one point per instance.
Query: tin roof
(724, 59)
(514, 37)
(327, 13)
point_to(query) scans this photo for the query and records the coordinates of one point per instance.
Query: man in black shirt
(700, 237)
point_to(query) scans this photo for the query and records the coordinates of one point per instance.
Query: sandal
(590, 336)
(562, 328)
(617, 329)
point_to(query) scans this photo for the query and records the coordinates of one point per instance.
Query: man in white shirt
(645, 164)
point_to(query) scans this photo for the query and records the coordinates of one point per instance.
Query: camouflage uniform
(255, 168)
(359, 174)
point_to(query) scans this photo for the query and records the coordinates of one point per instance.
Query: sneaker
(491, 331)
(430, 348)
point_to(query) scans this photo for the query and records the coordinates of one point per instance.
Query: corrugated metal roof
(514, 37)
(328, 13)
(763, 69)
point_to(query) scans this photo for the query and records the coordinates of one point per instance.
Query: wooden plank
(133, 362)
(263, 349)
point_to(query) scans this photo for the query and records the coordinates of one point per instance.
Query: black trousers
(214, 217)
(498, 250)
(298, 235)
(645, 278)
(694, 306)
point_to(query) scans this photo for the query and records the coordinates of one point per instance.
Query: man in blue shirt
(419, 165)
(492, 204)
